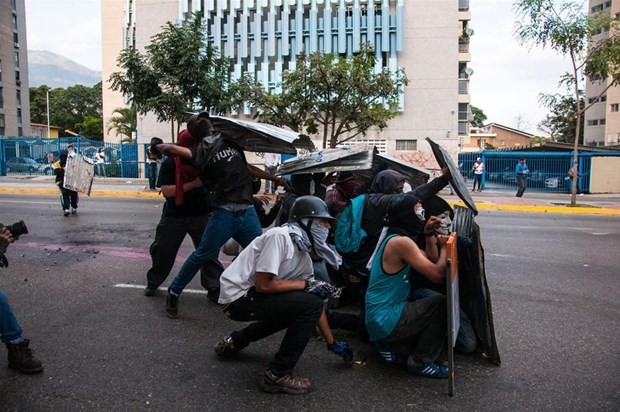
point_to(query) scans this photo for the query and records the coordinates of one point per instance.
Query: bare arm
(402, 250)
(171, 190)
(325, 330)
(174, 150)
(261, 174)
(268, 283)
(432, 252)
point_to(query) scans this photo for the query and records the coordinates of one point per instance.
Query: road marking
(499, 255)
(132, 286)
(600, 233)
(22, 201)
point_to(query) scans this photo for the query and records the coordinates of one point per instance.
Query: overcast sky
(506, 82)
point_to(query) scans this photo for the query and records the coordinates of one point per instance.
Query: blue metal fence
(35, 155)
(548, 170)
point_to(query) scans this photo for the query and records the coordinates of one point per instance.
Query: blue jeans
(9, 328)
(466, 340)
(243, 226)
(152, 167)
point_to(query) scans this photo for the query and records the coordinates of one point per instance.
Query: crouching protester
(20, 355)
(271, 284)
(419, 326)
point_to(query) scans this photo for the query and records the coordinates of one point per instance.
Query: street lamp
(48, 112)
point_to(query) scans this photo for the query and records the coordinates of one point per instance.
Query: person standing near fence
(521, 170)
(100, 162)
(478, 169)
(68, 198)
(152, 162)
(272, 161)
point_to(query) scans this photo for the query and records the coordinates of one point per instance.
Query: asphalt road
(554, 282)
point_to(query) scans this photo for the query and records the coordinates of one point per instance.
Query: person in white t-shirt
(478, 169)
(271, 284)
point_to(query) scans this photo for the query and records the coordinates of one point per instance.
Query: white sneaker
(66, 212)
(74, 211)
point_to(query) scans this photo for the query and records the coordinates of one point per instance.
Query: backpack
(349, 234)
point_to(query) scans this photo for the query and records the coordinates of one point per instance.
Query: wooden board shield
(79, 174)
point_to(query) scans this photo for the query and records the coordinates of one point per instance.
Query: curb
(94, 193)
(544, 209)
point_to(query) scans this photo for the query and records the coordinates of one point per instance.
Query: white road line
(26, 202)
(133, 286)
(499, 255)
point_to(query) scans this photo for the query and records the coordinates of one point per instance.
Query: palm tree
(123, 122)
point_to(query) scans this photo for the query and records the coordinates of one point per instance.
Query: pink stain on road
(116, 251)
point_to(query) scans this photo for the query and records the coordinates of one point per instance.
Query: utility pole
(48, 113)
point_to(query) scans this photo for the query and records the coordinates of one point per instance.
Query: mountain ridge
(54, 70)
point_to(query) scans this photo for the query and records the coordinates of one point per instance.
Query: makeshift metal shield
(79, 174)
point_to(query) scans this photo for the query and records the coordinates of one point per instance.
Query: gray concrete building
(14, 93)
(429, 39)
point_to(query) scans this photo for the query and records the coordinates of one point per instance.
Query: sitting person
(390, 318)
(270, 283)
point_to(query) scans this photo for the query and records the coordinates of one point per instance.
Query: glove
(343, 349)
(321, 289)
(153, 147)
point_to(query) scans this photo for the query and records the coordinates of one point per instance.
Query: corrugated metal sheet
(262, 137)
(79, 174)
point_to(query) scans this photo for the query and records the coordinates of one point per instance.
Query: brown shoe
(287, 383)
(21, 358)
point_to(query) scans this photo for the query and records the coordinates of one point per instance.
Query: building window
(597, 8)
(596, 122)
(599, 100)
(18, 97)
(15, 39)
(19, 116)
(16, 59)
(608, 4)
(602, 122)
(502, 143)
(14, 22)
(614, 107)
(20, 131)
(407, 145)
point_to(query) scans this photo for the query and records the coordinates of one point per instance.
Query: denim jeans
(9, 328)
(100, 169)
(466, 340)
(152, 167)
(169, 236)
(298, 312)
(478, 181)
(243, 226)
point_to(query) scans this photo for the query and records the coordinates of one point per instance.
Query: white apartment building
(429, 39)
(602, 120)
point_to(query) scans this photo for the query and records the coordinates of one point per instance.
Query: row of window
(599, 100)
(596, 122)
(601, 7)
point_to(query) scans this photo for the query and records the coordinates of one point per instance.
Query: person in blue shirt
(521, 170)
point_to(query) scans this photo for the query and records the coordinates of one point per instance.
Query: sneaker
(66, 212)
(74, 210)
(172, 305)
(150, 291)
(287, 383)
(226, 347)
(387, 355)
(430, 370)
(213, 294)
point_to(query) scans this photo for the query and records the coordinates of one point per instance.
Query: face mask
(420, 213)
(319, 236)
(348, 188)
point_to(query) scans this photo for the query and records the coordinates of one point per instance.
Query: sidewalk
(538, 202)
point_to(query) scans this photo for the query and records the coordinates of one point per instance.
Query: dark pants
(68, 198)
(152, 174)
(422, 327)
(298, 312)
(169, 236)
(478, 180)
(522, 183)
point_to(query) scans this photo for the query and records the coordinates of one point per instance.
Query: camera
(17, 229)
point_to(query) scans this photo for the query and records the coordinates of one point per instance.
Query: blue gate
(36, 156)
(548, 170)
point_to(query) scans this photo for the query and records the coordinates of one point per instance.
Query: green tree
(38, 104)
(92, 127)
(336, 97)
(566, 28)
(123, 122)
(478, 117)
(561, 122)
(178, 73)
(69, 107)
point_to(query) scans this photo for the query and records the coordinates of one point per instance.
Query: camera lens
(17, 229)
